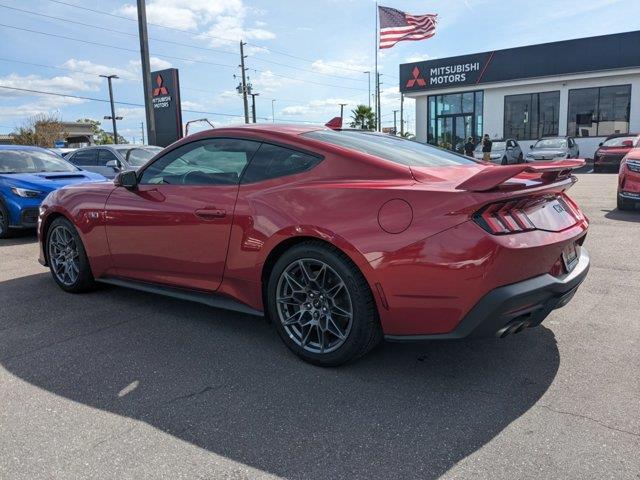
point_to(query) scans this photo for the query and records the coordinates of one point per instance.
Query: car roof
(24, 147)
(271, 127)
(618, 135)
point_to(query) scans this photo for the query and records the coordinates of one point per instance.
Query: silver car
(503, 152)
(108, 160)
(553, 148)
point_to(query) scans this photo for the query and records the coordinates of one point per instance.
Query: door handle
(211, 214)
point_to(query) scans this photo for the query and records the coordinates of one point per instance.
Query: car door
(105, 156)
(517, 151)
(174, 227)
(86, 159)
(574, 152)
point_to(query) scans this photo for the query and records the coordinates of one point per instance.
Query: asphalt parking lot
(122, 384)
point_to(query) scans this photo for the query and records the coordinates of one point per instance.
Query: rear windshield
(551, 143)
(395, 149)
(617, 141)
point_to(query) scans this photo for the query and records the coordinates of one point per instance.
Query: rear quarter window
(273, 161)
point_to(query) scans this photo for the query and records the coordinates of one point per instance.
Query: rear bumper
(513, 307)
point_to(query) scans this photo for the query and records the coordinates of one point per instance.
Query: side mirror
(600, 144)
(127, 179)
(627, 143)
(115, 164)
(531, 146)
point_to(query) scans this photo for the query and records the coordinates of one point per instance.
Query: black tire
(5, 232)
(365, 332)
(84, 281)
(624, 204)
(520, 158)
(596, 169)
(504, 161)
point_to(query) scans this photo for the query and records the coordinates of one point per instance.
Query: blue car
(27, 175)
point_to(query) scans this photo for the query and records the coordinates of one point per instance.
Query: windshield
(398, 150)
(32, 161)
(551, 143)
(617, 141)
(494, 146)
(140, 156)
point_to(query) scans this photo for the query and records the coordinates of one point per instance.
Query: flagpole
(376, 75)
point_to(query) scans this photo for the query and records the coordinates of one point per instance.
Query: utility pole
(378, 108)
(395, 129)
(245, 100)
(369, 84)
(342, 110)
(273, 111)
(113, 117)
(402, 114)
(253, 105)
(142, 131)
(146, 72)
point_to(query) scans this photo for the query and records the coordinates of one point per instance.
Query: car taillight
(507, 217)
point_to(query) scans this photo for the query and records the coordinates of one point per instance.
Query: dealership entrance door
(453, 118)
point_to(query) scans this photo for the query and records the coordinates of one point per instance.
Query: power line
(132, 104)
(188, 60)
(122, 17)
(171, 42)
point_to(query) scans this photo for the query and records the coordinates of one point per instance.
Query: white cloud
(267, 81)
(65, 84)
(223, 19)
(90, 68)
(154, 62)
(419, 58)
(188, 104)
(345, 68)
(322, 107)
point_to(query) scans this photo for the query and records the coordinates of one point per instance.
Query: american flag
(396, 26)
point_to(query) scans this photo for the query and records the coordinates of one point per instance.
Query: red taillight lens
(508, 217)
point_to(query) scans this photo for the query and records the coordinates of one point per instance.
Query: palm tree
(363, 117)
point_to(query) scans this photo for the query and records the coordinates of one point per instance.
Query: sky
(305, 57)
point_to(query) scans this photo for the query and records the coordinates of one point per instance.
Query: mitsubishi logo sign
(167, 110)
(160, 89)
(417, 79)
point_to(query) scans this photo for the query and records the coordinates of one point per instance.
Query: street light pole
(369, 83)
(253, 105)
(113, 111)
(273, 111)
(395, 129)
(146, 72)
(341, 110)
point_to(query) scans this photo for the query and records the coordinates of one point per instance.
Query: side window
(272, 161)
(104, 156)
(213, 161)
(84, 158)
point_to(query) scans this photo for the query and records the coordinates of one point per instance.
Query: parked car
(629, 181)
(553, 148)
(612, 150)
(340, 237)
(108, 160)
(63, 152)
(27, 175)
(503, 152)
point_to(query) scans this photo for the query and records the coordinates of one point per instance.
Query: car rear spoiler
(493, 176)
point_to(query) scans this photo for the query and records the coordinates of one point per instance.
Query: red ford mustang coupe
(341, 238)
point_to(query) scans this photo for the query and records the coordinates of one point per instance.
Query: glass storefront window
(599, 111)
(531, 115)
(454, 117)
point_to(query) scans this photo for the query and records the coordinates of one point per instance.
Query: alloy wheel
(64, 255)
(314, 305)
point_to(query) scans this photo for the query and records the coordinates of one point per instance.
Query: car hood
(49, 181)
(547, 153)
(613, 150)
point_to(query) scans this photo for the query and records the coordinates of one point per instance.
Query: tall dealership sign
(165, 88)
(582, 55)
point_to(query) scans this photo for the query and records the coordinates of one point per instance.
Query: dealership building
(586, 88)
